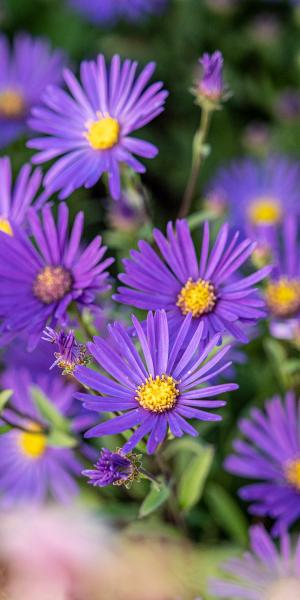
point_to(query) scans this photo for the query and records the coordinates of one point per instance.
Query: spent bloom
(211, 290)
(258, 194)
(25, 70)
(16, 199)
(113, 468)
(39, 282)
(156, 388)
(210, 86)
(31, 468)
(107, 12)
(263, 573)
(89, 129)
(70, 353)
(270, 454)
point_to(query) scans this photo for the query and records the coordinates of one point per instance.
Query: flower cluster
(107, 12)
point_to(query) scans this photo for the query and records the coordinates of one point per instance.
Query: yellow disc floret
(52, 284)
(12, 104)
(159, 394)
(265, 211)
(197, 297)
(283, 297)
(292, 473)
(104, 133)
(5, 226)
(33, 445)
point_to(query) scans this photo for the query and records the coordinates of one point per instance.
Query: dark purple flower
(112, 468)
(271, 454)
(107, 12)
(264, 573)
(157, 387)
(25, 71)
(70, 353)
(40, 280)
(211, 290)
(211, 86)
(90, 128)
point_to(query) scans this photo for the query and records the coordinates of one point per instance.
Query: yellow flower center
(197, 297)
(159, 394)
(5, 226)
(52, 284)
(33, 445)
(292, 473)
(103, 134)
(286, 588)
(12, 104)
(283, 297)
(265, 211)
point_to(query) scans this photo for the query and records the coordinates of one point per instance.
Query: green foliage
(192, 482)
(157, 496)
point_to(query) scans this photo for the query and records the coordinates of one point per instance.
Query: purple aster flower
(264, 573)
(271, 454)
(40, 281)
(158, 388)
(15, 200)
(211, 290)
(70, 353)
(90, 128)
(258, 194)
(25, 71)
(110, 11)
(211, 86)
(30, 467)
(112, 468)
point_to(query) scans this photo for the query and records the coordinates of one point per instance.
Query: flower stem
(198, 154)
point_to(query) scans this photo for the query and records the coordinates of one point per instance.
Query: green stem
(198, 143)
(83, 326)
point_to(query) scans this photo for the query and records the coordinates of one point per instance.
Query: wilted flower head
(270, 454)
(70, 353)
(265, 572)
(25, 71)
(55, 272)
(113, 468)
(210, 87)
(107, 12)
(156, 388)
(99, 117)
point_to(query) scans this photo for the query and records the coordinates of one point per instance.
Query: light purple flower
(39, 282)
(157, 388)
(107, 12)
(211, 289)
(270, 454)
(25, 71)
(264, 573)
(90, 128)
(211, 85)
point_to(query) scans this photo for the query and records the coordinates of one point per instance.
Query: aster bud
(209, 89)
(70, 353)
(114, 468)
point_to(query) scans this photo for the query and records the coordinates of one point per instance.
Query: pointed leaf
(193, 479)
(227, 513)
(50, 413)
(154, 500)
(5, 395)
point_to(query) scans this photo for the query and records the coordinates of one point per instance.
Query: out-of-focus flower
(271, 454)
(113, 468)
(90, 128)
(287, 105)
(265, 29)
(107, 12)
(257, 138)
(258, 194)
(128, 214)
(265, 572)
(209, 88)
(205, 290)
(15, 200)
(160, 395)
(39, 283)
(70, 353)
(222, 7)
(25, 71)
(31, 467)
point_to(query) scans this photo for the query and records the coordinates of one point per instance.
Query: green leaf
(184, 444)
(199, 217)
(4, 398)
(154, 500)
(48, 410)
(227, 513)
(193, 479)
(60, 439)
(5, 429)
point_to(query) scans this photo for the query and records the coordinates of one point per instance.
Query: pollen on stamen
(292, 473)
(283, 297)
(104, 133)
(158, 395)
(265, 211)
(5, 226)
(52, 284)
(12, 104)
(197, 297)
(33, 443)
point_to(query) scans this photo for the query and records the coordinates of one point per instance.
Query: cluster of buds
(70, 352)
